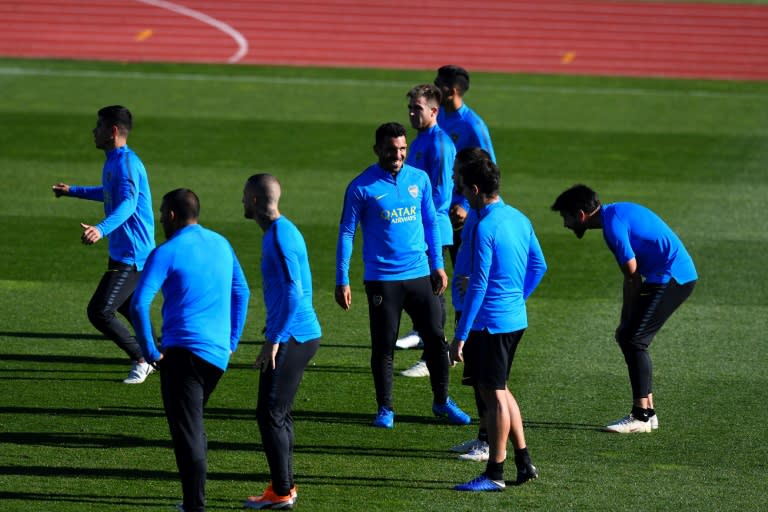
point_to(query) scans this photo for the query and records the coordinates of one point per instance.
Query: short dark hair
(468, 155)
(578, 197)
(258, 181)
(482, 173)
(429, 92)
(184, 203)
(453, 76)
(390, 130)
(117, 115)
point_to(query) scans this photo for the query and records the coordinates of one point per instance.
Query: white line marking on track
(242, 43)
(351, 82)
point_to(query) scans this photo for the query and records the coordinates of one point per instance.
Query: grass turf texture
(72, 437)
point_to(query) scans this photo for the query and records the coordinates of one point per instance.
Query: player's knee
(633, 342)
(99, 315)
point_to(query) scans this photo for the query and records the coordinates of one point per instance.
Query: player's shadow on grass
(356, 481)
(365, 418)
(76, 440)
(559, 425)
(117, 473)
(51, 335)
(109, 502)
(100, 412)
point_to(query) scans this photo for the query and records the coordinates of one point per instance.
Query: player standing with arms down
(292, 335)
(659, 275)
(506, 265)
(403, 267)
(205, 302)
(433, 152)
(467, 130)
(128, 224)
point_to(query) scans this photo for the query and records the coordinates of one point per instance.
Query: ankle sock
(640, 414)
(522, 458)
(495, 470)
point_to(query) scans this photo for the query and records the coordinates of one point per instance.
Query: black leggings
(655, 305)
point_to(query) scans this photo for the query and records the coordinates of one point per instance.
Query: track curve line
(242, 42)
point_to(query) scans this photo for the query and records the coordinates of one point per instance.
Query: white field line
(242, 43)
(344, 82)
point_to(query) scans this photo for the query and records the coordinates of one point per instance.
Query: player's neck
(265, 221)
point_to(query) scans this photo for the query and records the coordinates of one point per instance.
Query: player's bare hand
(91, 234)
(343, 295)
(456, 351)
(266, 358)
(439, 281)
(458, 215)
(60, 189)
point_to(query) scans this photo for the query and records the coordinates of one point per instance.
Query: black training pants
(654, 306)
(187, 382)
(277, 389)
(111, 296)
(386, 302)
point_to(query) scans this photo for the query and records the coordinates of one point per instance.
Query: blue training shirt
(462, 266)
(634, 231)
(467, 130)
(129, 222)
(507, 265)
(401, 238)
(433, 152)
(205, 296)
(287, 283)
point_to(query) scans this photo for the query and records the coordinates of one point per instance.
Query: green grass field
(73, 438)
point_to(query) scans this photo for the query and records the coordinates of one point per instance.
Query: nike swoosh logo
(382, 196)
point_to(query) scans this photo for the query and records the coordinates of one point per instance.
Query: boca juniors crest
(414, 191)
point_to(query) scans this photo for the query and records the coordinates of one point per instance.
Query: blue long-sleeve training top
(462, 266)
(433, 152)
(401, 238)
(205, 296)
(467, 130)
(287, 283)
(633, 231)
(507, 265)
(129, 222)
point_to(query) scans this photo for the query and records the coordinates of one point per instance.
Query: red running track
(533, 36)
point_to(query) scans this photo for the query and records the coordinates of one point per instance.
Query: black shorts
(488, 358)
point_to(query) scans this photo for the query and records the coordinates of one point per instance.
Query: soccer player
(403, 267)
(205, 301)
(659, 275)
(506, 265)
(292, 335)
(466, 129)
(433, 152)
(474, 449)
(128, 224)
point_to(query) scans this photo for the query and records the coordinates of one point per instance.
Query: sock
(482, 435)
(495, 470)
(522, 458)
(651, 412)
(640, 414)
